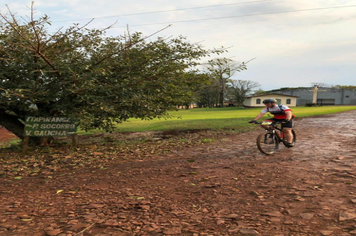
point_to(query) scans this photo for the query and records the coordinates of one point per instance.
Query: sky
(287, 43)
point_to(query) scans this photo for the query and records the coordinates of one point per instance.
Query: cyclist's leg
(287, 130)
(273, 120)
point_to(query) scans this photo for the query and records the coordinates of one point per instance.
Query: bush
(312, 105)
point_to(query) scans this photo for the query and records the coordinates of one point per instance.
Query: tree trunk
(12, 123)
(221, 98)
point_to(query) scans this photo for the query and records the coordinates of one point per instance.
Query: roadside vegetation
(214, 119)
(98, 150)
(217, 118)
(128, 83)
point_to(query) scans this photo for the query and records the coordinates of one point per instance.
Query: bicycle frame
(277, 130)
(268, 142)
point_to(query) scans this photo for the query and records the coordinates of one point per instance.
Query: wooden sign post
(49, 127)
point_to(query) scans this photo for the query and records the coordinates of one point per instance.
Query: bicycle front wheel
(267, 143)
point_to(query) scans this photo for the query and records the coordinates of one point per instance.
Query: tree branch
(128, 46)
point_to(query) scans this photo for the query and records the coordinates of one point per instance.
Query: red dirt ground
(5, 135)
(225, 187)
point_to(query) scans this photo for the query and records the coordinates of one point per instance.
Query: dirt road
(5, 135)
(222, 188)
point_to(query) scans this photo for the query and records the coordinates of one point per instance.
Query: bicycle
(268, 142)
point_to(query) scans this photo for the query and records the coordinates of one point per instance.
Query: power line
(163, 11)
(247, 15)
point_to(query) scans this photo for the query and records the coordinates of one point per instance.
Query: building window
(289, 101)
(347, 96)
(258, 101)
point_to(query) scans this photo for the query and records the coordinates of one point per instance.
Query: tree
(208, 94)
(350, 87)
(195, 88)
(81, 73)
(239, 89)
(319, 84)
(221, 70)
(260, 92)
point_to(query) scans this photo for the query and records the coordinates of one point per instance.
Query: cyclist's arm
(259, 116)
(288, 115)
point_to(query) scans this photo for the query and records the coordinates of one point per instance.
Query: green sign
(49, 126)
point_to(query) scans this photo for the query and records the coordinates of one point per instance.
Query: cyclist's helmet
(269, 100)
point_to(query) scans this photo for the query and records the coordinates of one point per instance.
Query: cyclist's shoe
(290, 145)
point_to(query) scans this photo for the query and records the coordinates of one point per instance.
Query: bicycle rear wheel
(267, 143)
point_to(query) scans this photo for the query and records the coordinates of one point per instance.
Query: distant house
(321, 96)
(257, 100)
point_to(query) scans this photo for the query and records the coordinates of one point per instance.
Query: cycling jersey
(277, 111)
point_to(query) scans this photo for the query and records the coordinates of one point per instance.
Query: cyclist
(281, 113)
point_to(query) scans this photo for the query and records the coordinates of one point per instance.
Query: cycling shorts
(284, 125)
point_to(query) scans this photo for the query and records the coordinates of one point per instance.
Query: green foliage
(82, 73)
(207, 140)
(350, 87)
(260, 92)
(208, 94)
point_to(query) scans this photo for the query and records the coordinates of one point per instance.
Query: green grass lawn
(217, 118)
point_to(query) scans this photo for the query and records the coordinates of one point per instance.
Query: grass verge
(217, 118)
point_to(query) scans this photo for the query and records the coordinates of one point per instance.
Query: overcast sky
(294, 43)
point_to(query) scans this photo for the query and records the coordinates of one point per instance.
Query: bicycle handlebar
(258, 123)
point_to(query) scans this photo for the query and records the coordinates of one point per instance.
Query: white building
(257, 100)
